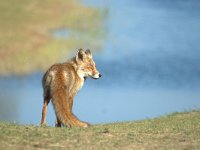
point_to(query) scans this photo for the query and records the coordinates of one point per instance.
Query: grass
(179, 131)
(26, 40)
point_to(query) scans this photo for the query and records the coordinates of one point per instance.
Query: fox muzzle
(96, 76)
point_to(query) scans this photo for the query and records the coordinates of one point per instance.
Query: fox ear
(88, 52)
(80, 55)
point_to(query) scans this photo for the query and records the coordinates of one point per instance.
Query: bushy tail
(60, 106)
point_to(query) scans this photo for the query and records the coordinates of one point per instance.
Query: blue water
(149, 62)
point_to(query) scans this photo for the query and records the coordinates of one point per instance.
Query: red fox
(62, 81)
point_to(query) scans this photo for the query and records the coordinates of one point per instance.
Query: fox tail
(60, 107)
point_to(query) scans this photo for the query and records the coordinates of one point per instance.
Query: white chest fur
(81, 84)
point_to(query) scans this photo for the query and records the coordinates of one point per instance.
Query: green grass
(26, 42)
(179, 131)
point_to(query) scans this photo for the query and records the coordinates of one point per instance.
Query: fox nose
(96, 76)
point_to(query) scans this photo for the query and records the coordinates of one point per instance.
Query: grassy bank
(177, 131)
(26, 26)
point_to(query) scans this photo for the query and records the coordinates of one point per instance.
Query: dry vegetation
(179, 131)
(26, 41)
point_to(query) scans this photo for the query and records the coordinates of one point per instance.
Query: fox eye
(91, 65)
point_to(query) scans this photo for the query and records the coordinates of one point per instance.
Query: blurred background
(147, 51)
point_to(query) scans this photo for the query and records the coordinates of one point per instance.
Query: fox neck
(79, 72)
(79, 79)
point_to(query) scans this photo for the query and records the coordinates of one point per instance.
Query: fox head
(86, 65)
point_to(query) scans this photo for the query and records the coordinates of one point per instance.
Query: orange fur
(61, 82)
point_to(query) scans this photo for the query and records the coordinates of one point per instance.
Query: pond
(149, 62)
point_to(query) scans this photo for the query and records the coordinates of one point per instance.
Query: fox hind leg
(44, 110)
(58, 122)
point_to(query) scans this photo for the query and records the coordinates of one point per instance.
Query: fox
(61, 82)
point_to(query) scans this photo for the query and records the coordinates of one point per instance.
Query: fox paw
(43, 125)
